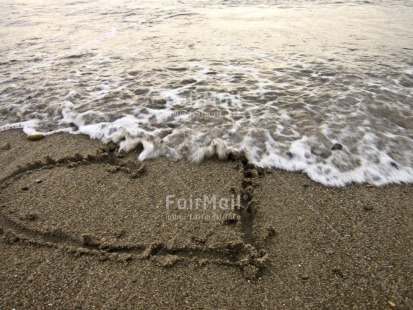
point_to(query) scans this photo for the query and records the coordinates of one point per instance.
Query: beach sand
(84, 226)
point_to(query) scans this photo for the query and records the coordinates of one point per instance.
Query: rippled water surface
(281, 80)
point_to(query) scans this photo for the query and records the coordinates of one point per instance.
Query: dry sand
(83, 226)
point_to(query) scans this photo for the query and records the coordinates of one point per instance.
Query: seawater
(282, 81)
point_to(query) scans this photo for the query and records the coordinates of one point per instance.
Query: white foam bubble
(290, 122)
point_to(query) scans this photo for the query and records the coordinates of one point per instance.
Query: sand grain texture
(83, 226)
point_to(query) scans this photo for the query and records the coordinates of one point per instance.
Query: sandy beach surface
(84, 226)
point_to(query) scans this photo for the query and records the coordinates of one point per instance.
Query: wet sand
(85, 226)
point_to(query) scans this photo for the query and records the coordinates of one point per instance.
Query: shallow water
(281, 80)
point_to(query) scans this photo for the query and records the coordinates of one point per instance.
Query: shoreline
(75, 213)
